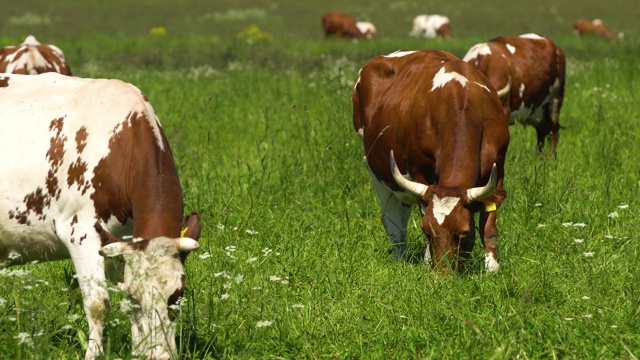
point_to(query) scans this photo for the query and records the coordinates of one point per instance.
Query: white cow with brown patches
(442, 121)
(83, 159)
(531, 70)
(33, 58)
(431, 27)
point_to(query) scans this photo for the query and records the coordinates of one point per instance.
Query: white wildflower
(578, 241)
(252, 259)
(24, 338)
(614, 215)
(586, 298)
(220, 226)
(588, 254)
(251, 232)
(235, 228)
(256, 288)
(28, 287)
(226, 286)
(206, 255)
(579, 225)
(569, 318)
(221, 273)
(588, 316)
(297, 306)
(567, 224)
(625, 206)
(266, 252)
(540, 226)
(264, 323)
(614, 326)
(538, 204)
(13, 255)
(2, 301)
(125, 306)
(231, 248)
(284, 282)
(67, 327)
(239, 279)
(224, 296)
(274, 278)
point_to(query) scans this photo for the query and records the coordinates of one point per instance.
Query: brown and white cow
(367, 29)
(86, 165)
(441, 122)
(431, 27)
(32, 58)
(340, 25)
(532, 68)
(595, 27)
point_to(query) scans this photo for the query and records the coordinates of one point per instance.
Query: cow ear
(192, 227)
(114, 249)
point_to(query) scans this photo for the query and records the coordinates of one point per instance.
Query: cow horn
(505, 90)
(114, 249)
(185, 244)
(479, 193)
(413, 187)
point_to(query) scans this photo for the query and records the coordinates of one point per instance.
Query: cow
(32, 58)
(437, 120)
(340, 25)
(532, 68)
(367, 29)
(86, 167)
(595, 27)
(431, 27)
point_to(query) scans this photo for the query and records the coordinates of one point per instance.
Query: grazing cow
(532, 68)
(441, 120)
(33, 58)
(596, 27)
(86, 165)
(340, 25)
(367, 29)
(431, 27)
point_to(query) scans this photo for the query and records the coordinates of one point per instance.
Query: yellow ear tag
(490, 206)
(184, 231)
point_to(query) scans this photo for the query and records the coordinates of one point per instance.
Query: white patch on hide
(477, 50)
(532, 36)
(442, 78)
(399, 53)
(443, 207)
(521, 90)
(490, 263)
(511, 48)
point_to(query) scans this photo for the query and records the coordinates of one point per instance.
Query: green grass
(266, 151)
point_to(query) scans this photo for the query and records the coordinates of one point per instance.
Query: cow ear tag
(184, 231)
(490, 206)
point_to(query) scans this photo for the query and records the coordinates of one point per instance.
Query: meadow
(294, 260)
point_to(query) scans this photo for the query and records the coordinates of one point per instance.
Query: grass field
(294, 262)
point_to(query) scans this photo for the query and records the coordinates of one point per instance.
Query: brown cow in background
(32, 58)
(340, 25)
(595, 27)
(530, 70)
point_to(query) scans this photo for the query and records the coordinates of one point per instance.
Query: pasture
(294, 260)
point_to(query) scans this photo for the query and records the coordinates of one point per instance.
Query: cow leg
(395, 217)
(90, 273)
(555, 125)
(489, 236)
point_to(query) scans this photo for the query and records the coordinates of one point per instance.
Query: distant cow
(595, 27)
(367, 29)
(340, 25)
(33, 58)
(431, 27)
(532, 68)
(85, 165)
(440, 119)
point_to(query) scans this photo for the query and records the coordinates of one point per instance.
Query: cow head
(447, 216)
(154, 283)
